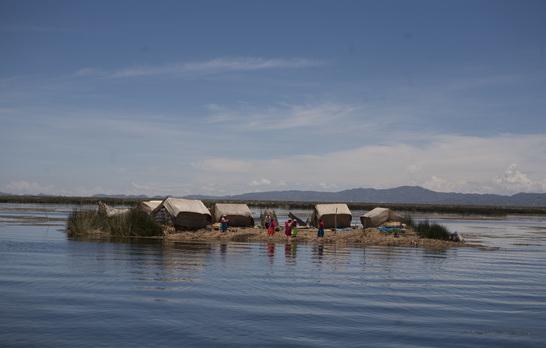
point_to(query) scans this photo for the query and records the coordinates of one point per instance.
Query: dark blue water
(56, 292)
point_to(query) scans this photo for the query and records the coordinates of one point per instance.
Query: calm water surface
(56, 292)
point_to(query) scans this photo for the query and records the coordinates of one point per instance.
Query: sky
(227, 97)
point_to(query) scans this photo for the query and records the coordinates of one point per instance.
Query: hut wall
(162, 216)
(191, 221)
(333, 221)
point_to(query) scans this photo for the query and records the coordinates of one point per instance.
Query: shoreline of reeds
(134, 223)
(90, 224)
(406, 207)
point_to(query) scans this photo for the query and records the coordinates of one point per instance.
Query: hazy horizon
(265, 191)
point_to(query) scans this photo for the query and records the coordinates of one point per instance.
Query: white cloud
(207, 67)
(446, 163)
(514, 180)
(260, 182)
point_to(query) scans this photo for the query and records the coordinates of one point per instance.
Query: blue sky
(220, 97)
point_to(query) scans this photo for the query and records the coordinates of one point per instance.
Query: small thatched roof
(182, 213)
(272, 214)
(148, 206)
(105, 209)
(176, 206)
(378, 216)
(338, 208)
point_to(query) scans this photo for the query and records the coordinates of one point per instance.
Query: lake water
(56, 292)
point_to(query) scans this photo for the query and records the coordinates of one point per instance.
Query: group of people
(290, 226)
(270, 225)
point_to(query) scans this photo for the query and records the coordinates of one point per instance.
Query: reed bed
(134, 223)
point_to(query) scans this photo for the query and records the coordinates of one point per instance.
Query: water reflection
(290, 250)
(318, 251)
(147, 260)
(271, 252)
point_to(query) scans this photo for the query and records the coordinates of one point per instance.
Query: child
(294, 228)
(224, 224)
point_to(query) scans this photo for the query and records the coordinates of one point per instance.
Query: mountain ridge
(401, 195)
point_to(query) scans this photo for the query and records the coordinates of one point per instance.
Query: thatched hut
(184, 214)
(378, 216)
(272, 214)
(148, 206)
(106, 210)
(239, 214)
(334, 215)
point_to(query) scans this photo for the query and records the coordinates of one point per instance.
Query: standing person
(320, 232)
(294, 228)
(267, 221)
(224, 224)
(271, 229)
(288, 228)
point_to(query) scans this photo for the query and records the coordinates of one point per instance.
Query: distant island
(397, 195)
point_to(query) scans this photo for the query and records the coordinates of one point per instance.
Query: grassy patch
(425, 229)
(133, 224)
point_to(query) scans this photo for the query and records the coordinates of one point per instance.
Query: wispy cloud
(206, 67)
(279, 117)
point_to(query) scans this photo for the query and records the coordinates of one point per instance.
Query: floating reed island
(175, 219)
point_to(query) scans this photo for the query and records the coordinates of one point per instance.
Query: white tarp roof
(107, 210)
(176, 206)
(381, 212)
(378, 216)
(333, 215)
(326, 209)
(377, 212)
(151, 205)
(234, 209)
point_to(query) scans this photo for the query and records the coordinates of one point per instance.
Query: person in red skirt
(271, 228)
(288, 228)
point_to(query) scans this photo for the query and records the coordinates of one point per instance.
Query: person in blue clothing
(224, 224)
(320, 232)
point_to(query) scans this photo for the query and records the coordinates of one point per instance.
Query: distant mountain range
(397, 195)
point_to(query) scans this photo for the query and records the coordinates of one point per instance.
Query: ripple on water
(55, 292)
